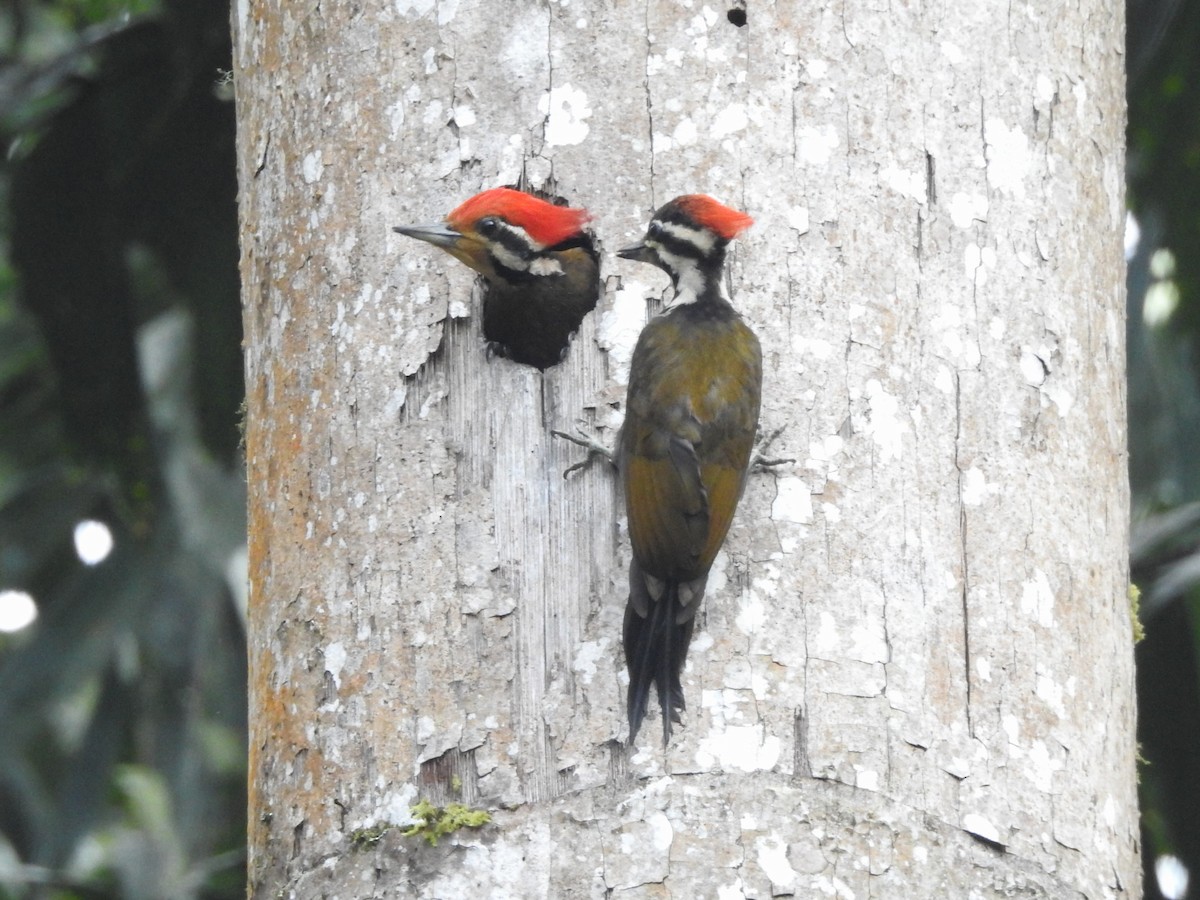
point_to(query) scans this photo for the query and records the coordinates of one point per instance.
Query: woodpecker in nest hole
(541, 267)
(695, 386)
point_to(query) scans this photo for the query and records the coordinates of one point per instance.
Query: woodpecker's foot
(758, 461)
(492, 349)
(587, 442)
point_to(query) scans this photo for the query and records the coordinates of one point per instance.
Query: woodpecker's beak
(466, 248)
(440, 235)
(639, 253)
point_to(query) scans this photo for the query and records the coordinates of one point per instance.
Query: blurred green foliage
(122, 750)
(1164, 412)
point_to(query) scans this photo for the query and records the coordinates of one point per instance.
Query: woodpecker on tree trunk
(541, 267)
(695, 387)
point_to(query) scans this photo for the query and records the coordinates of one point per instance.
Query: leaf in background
(119, 378)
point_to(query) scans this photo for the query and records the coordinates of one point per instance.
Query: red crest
(544, 222)
(706, 212)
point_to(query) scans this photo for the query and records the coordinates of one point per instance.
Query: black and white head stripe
(691, 251)
(687, 237)
(512, 248)
(685, 252)
(680, 239)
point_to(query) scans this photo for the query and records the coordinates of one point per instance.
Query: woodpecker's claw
(589, 443)
(758, 461)
(494, 349)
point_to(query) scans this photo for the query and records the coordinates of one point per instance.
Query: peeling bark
(912, 675)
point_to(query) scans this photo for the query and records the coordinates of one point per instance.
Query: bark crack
(964, 558)
(549, 84)
(801, 763)
(846, 34)
(930, 180)
(649, 110)
(987, 172)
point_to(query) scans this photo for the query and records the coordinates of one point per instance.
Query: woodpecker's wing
(685, 446)
(667, 507)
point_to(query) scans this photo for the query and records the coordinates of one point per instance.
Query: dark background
(122, 709)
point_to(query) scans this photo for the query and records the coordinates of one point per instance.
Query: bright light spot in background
(1162, 297)
(1160, 303)
(1162, 263)
(1133, 234)
(1172, 877)
(17, 611)
(93, 541)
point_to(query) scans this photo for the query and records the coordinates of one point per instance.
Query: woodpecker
(541, 267)
(695, 387)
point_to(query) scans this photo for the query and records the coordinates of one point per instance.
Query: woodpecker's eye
(488, 225)
(654, 230)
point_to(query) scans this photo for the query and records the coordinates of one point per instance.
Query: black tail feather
(655, 650)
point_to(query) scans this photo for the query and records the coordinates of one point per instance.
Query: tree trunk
(912, 674)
